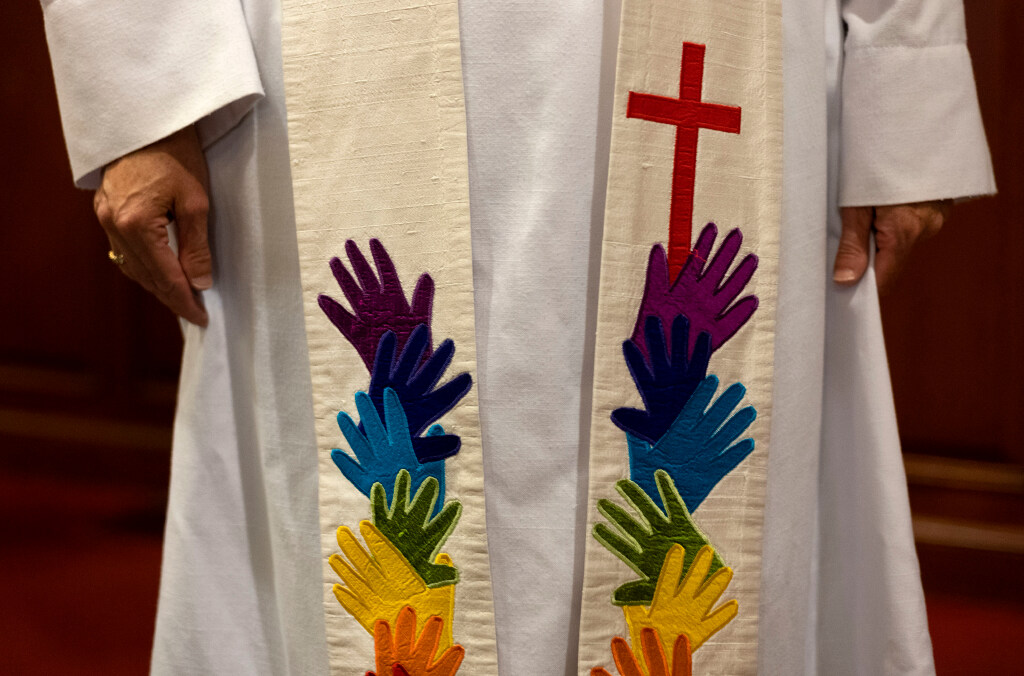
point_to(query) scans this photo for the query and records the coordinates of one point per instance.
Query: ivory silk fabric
(377, 128)
(243, 567)
(738, 185)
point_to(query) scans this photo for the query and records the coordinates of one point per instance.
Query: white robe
(240, 588)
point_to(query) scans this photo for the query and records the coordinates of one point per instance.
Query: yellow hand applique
(684, 606)
(380, 582)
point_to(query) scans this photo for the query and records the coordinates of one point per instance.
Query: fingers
(191, 208)
(852, 256)
(624, 659)
(897, 229)
(140, 230)
(139, 195)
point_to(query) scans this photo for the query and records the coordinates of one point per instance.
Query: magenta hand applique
(702, 291)
(378, 304)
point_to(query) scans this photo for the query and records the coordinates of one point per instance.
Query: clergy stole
(685, 341)
(684, 352)
(377, 132)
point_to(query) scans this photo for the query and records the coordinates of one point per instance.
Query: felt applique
(405, 654)
(410, 528)
(653, 657)
(378, 303)
(702, 291)
(687, 605)
(378, 582)
(689, 115)
(667, 383)
(698, 450)
(414, 377)
(382, 449)
(644, 543)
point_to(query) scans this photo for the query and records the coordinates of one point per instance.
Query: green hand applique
(411, 530)
(644, 544)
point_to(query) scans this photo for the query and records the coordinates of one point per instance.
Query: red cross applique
(689, 114)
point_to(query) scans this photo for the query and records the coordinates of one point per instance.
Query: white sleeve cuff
(911, 127)
(130, 74)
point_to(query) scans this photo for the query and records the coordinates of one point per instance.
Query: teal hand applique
(643, 544)
(411, 529)
(698, 449)
(384, 448)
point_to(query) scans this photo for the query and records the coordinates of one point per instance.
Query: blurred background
(88, 369)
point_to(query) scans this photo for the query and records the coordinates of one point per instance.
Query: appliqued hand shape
(382, 448)
(704, 294)
(696, 450)
(379, 583)
(406, 655)
(653, 656)
(643, 545)
(685, 606)
(414, 379)
(378, 305)
(667, 384)
(410, 529)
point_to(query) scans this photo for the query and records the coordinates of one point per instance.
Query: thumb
(852, 256)
(190, 212)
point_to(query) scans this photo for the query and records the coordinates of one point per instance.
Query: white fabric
(128, 78)
(240, 583)
(910, 107)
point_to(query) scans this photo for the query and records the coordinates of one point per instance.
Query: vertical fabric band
(685, 341)
(376, 122)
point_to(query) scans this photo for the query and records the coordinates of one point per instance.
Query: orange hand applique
(653, 654)
(404, 655)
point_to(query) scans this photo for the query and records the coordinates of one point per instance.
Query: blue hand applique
(382, 449)
(696, 450)
(413, 376)
(667, 384)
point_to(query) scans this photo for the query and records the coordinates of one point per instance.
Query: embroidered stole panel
(685, 341)
(376, 124)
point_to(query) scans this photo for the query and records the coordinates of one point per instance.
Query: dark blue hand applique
(414, 380)
(667, 384)
(696, 450)
(382, 449)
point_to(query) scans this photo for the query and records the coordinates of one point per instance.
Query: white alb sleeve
(129, 73)
(911, 125)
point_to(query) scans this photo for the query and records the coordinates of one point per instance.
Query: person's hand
(140, 194)
(897, 228)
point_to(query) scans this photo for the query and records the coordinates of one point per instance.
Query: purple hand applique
(667, 382)
(415, 380)
(701, 292)
(378, 305)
